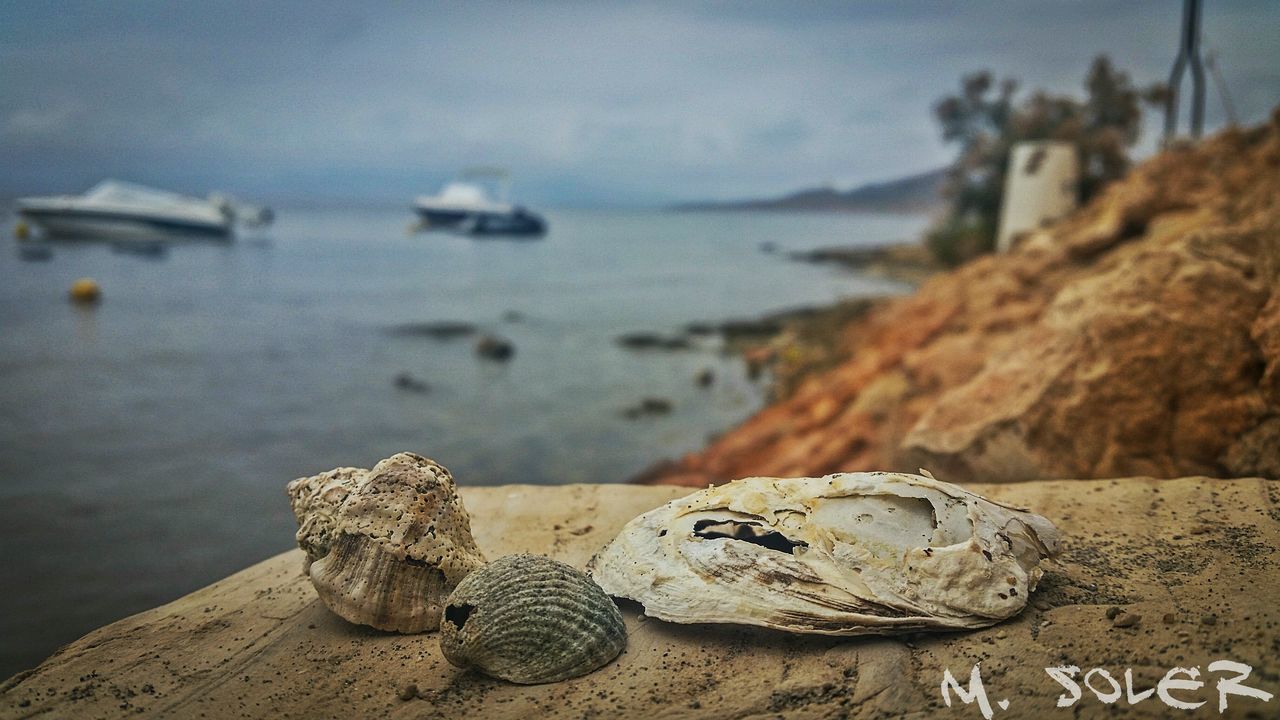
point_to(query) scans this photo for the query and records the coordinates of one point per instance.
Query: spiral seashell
(385, 546)
(530, 619)
(315, 501)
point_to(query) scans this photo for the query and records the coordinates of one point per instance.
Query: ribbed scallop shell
(530, 619)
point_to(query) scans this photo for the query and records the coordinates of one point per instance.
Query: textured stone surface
(1140, 336)
(1193, 560)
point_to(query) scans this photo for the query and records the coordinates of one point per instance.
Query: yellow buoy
(85, 291)
(21, 231)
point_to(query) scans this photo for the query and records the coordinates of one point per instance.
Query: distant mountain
(912, 194)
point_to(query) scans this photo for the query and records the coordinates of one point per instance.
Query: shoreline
(786, 348)
(907, 262)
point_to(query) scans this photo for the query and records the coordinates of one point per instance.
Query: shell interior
(845, 554)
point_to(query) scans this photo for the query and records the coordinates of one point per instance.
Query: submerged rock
(649, 406)
(700, 328)
(35, 252)
(492, 347)
(751, 329)
(445, 330)
(652, 341)
(909, 262)
(405, 381)
(705, 378)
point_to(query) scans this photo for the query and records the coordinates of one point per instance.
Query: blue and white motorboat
(465, 207)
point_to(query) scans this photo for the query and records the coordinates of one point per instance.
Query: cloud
(589, 103)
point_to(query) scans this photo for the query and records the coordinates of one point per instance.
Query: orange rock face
(1140, 336)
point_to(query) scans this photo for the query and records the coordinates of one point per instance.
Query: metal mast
(1188, 52)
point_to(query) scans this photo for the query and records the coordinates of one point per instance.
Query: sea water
(145, 442)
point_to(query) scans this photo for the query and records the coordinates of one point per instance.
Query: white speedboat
(118, 210)
(465, 207)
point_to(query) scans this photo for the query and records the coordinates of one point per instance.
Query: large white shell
(845, 554)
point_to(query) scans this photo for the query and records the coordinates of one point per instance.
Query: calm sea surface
(145, 443)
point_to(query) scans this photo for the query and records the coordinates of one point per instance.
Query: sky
(589, 104)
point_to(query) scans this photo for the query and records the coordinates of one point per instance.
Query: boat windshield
(118, 192)
(464, 193)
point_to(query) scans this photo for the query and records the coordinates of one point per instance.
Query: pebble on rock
(405, 381)
(1124, 620)
(648, 406)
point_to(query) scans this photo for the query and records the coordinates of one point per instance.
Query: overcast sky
(591, 103)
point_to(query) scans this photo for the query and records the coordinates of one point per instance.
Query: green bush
(986, 123)
(953, 241)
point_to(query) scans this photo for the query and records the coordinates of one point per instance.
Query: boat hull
(520, 223)
(436, 219)
(94, 225)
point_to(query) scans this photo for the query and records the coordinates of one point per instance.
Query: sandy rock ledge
(1155, 574)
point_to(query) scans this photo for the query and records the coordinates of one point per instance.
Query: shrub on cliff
(985, 121)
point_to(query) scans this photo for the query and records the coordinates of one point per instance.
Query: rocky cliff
(1139, 336)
